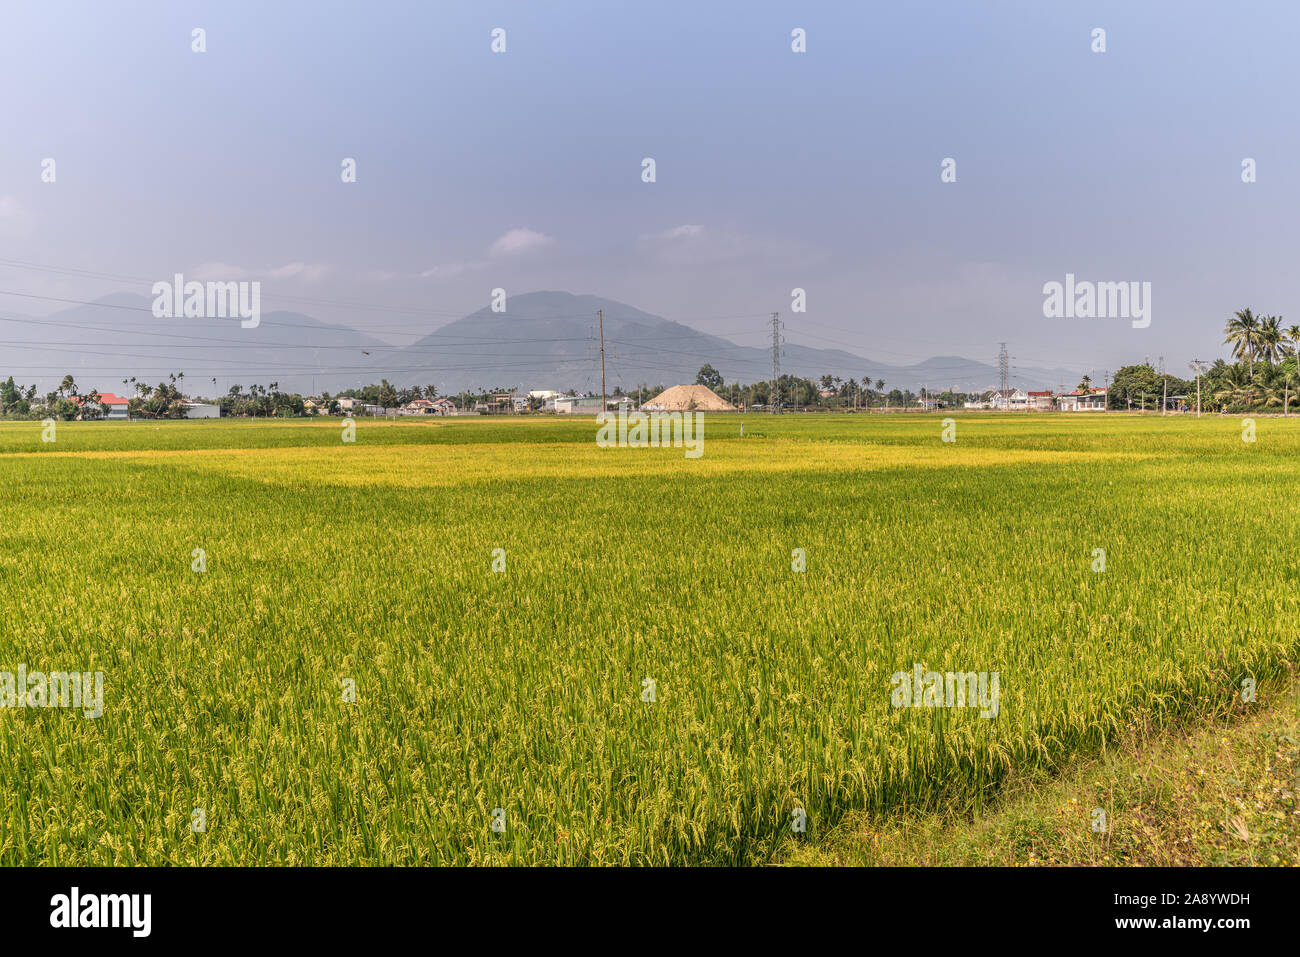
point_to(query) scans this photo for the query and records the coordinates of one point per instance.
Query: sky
(775, 169)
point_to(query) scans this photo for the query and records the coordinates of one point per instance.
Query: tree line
(828, 392)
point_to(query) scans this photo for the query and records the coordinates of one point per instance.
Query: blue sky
(774, 169)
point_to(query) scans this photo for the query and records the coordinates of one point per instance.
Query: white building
(577, 404)
(417, 407)
(1090, 400)
(1009, 399)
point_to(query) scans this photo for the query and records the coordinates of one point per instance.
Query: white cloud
(221, 272)
(305, 271)
(225, 272)
(693, 245)
(519, 241)
(450, 270)
(679, 232)
(15, 221)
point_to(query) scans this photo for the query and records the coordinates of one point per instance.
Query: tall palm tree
(1235, 388)
(1271, 339)
(1243, 332)
(1270, 388)
(1292, 332)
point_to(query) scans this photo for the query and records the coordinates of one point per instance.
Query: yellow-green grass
(522, 690)
(1217, 791)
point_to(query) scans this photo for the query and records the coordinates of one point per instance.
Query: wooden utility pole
(604, 403)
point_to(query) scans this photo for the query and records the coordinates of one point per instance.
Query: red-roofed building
(117, 406)
(1042, 401)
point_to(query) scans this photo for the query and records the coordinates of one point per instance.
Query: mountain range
(543, 340)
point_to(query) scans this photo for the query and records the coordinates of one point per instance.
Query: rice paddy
(432, 645)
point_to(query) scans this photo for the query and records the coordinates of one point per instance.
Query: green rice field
(350, 680)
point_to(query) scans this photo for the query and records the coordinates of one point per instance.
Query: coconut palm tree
(1271, 339)
(1278, 382)
(1271, 389)
(1243, 333)
(1235, 387)
(1293, 333)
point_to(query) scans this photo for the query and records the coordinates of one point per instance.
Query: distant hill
(118, 337)
(545, 340)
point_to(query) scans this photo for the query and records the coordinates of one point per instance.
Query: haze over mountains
(544, 340)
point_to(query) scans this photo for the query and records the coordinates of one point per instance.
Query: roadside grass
(1223, 791)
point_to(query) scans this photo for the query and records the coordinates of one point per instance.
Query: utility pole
(604, 403)
(1197, 364)
(776, 362)
(1105, 402)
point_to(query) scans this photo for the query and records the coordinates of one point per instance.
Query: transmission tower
(604, 402)
(776, 362)
(1004, 371)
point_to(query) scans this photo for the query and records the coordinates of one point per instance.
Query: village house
(417, 407)
(117, 405)
(1042, 401)
(1086, 400)
(1012, 399)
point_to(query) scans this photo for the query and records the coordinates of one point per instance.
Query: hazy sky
(775, 169)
